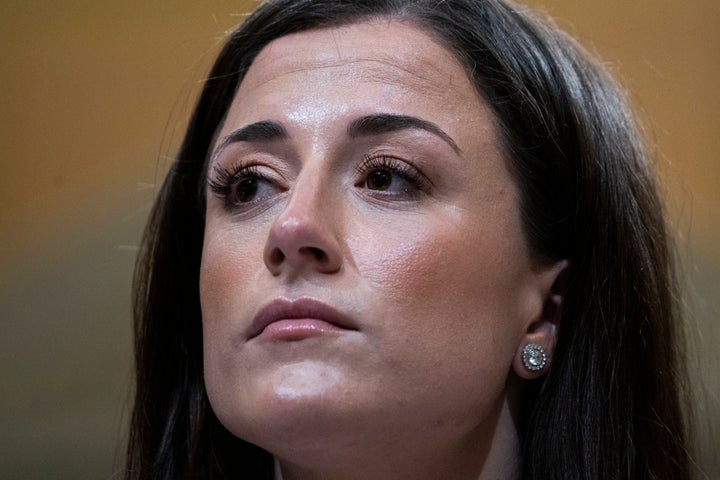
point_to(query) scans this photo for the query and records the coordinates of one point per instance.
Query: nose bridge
(304, 236)
(305, 203)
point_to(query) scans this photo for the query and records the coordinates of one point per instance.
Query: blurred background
(94, 98)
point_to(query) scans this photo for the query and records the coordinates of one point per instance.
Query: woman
(407, 239)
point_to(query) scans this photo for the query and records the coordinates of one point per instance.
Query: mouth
(290, 320)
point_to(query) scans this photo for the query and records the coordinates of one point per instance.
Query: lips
(298, 317)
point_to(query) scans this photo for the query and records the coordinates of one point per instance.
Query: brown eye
(246, 187)
(379, 180)
(247, 190)
(388, 178)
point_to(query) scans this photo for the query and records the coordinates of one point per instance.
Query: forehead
(385, 51)
(317, 82)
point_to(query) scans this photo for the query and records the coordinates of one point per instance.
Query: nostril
(317, 253)
(277, 256)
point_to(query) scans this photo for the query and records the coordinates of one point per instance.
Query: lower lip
(298, 329)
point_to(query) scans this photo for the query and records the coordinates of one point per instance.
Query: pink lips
(284, 319)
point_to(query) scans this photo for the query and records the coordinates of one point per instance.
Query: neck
(469, 458)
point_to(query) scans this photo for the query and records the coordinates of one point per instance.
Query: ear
(542, 331)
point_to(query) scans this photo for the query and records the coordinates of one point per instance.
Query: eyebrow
(263, 131)
(368, 125)
(380, 123)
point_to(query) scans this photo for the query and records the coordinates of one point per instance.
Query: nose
(302, 239)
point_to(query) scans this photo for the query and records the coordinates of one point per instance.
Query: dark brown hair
(612, 405)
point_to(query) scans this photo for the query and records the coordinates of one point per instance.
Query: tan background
(93, 100)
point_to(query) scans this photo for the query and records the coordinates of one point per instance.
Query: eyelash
(402, 169)
(224, 180)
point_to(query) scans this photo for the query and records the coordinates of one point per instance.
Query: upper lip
(287, 309)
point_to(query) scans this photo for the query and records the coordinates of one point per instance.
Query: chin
(292, 404)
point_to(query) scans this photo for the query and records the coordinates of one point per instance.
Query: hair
(612, 405)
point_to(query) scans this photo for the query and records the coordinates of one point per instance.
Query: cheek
(454, 292)
(228, 270)
(448, 345)
(217, 279)
(458, 266)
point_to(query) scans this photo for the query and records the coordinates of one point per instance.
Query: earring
(534, 357)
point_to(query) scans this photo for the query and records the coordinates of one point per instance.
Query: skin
(437, 279)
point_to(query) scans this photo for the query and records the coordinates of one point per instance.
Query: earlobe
(535, 352)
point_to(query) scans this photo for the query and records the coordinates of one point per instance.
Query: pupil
(379, 180)
(247, 189)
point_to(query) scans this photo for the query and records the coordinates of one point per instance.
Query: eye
(390, 177)
(247, 189)
(243, 186)
(379, 180)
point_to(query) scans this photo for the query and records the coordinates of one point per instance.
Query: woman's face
(365, 281)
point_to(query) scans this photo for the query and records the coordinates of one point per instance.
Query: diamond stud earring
(534, 357)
